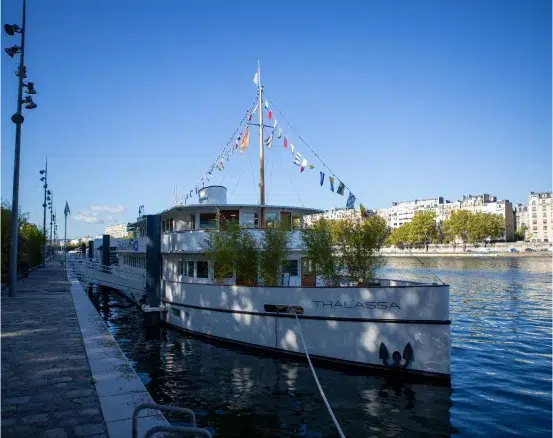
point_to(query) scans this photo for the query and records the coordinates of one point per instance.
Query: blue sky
(402, 100)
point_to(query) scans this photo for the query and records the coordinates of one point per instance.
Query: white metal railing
(84, 266)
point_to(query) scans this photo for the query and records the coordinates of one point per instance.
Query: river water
(501, 366)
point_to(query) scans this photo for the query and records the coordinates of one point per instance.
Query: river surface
(501, 366)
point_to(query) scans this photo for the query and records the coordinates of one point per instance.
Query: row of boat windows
(187, 267)
(208, 221)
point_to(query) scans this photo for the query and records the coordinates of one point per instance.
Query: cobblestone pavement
(47, 385)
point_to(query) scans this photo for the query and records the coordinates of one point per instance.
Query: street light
(17, 118)
(46, 197)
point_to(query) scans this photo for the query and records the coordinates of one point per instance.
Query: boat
(391, 325)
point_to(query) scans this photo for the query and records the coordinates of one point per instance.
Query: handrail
(116, 270)
(186, 430)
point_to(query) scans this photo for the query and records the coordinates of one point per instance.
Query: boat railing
(83, 266)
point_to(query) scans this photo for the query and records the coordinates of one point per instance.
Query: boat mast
(261, 150)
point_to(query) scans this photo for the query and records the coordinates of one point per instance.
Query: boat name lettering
(355, 305)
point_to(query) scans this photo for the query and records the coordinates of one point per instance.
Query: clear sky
(402, 100)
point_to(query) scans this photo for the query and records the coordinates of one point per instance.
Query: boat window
(203, 269)
(171, 224)
(250, 220)
(175, 312)
(296, 222)
(286, 219)
(192, 224)
(228, 216)
(271, 219)
(208, 221)
(180, 267)
(190, 268)
(290, 267)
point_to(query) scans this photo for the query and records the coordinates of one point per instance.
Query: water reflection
(239, 394)
(501, 366)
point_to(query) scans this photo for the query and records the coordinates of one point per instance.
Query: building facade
(540, 215)
(521, 219)
(117, 231)
(336, 214)
(403, 212)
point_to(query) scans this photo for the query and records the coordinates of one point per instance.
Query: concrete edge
(118, 386)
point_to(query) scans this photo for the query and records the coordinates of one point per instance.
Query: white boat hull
(343, 325)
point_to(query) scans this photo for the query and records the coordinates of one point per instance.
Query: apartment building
(117, 231)
(336, 214)
(540, 215)
(521, 218)
(402, 212)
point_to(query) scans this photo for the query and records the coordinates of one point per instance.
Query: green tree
(485, 226)
(274, 250)
(317, 241)
(358, 244)
(458, 226)
(401, 236)
(520, 235)
(423, 228)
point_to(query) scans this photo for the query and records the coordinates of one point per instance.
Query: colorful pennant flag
(266, 104)
(340, 189)
(297, 159)
(285, 142)
(331, 179)
(270, 115)
(221, 164)
(322, 177)
(311, 166)
(235, 144)
(249, 118)
(245, 140)
(363, 210)
(303, 164)
(292, 148)
(351, 200)
(254, 109)
(279, 133)
(256, 79)
(274, 124)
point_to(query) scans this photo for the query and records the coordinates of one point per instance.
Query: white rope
(317, 382)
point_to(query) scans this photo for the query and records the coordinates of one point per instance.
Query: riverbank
(468, 254)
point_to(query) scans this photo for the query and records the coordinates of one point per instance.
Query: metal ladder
(184, 431)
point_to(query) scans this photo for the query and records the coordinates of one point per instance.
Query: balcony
(191, 241)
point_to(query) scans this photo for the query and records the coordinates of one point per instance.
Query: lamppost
(51, 200)
(46, 193)
(17, 118)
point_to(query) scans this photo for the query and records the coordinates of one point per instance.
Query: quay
(63, 375)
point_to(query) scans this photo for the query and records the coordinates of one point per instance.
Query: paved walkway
(47, 384)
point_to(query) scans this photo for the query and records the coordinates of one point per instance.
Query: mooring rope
(317, 381)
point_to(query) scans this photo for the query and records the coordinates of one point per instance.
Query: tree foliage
(422, 229)
(317, 241)
(521, 233)
(345, 247)
(30, 245)
(358, 244)
(274, 250)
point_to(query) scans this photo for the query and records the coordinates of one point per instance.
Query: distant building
(521, 219)
(336, 214)
(540, 215)
(117, 231)
(403, 212)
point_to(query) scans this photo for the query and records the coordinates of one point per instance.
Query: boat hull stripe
(316, 317)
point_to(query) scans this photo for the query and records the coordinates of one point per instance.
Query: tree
(358, 244)
(423, 228)
(273, 252)
(520, 235)
(401, 235)
(317, 241)
(458, 226)
(485, 226)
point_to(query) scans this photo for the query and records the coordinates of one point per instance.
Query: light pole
(17, 118)
(46, 193)
(51, 222)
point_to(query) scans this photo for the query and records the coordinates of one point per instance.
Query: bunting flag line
(351, 200)
(250, 118)
(269, 141)
(297, 159)
(363, 210)
(303, 164)
(256, 79)
(322, 178)
(331, 180)
(254, 109)
(279, 133)
(270, 115)
(245, 140)
(221, 164)
(292, 148)
(311, 166)
(285, 142)
(274, 124)
(341, 187)
(266, 104)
